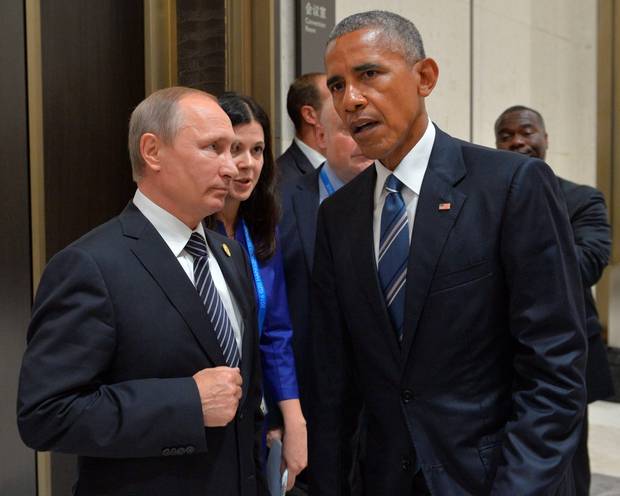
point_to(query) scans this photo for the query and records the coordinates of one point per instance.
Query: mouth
(362, 126)
(246, 181)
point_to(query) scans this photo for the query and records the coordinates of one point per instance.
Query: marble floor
(604, 448)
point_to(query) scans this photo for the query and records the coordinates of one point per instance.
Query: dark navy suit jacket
(117, 332)
(293, 163)
(588, 219)
(300, 205)
(486, 392)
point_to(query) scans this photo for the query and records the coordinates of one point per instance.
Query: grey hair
(400, 32)
(158, 114)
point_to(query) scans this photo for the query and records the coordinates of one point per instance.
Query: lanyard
(326, 182)
(258, 280)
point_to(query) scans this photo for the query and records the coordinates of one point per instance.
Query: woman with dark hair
(250, 216)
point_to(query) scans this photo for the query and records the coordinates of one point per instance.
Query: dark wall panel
(93, 77)
(17, 463)
(201, 38)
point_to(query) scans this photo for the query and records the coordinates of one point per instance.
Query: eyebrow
(366, 67)
(358, 68)
(332, 80)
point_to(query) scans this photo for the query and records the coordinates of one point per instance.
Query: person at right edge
(521, 129)
(445, 292)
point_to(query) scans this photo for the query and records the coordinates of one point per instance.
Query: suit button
(407, 395)
(405, 463)
(181, 451)
(165, 452)
(189, 450)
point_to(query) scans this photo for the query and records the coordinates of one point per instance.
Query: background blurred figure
(521, 129)
(250, 216)
(142, 353)
(300, 204)
(304, 102)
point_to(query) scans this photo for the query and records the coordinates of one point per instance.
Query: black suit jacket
(300, 206)
(588, 219)
(293, 163)
(117, 332)
(487, 391)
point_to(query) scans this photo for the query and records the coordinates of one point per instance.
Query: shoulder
(574, 190)
(288, 155)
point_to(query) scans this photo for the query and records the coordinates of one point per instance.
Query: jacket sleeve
(276, 341)
(547, 323)
(65, 402)
(592, 237)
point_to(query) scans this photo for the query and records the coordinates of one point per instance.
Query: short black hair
(519, 108)
(399, 31)
(303, 91)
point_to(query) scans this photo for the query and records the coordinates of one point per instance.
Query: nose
(353, 98)
(517, 142)
(228, 169)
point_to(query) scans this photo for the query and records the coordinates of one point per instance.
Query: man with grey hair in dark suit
(446, 295)
(142, 354)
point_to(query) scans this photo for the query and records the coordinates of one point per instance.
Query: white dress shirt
(410, 172)
(311, 154)
(176, 235)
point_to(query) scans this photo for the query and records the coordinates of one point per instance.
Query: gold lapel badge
(226, 250)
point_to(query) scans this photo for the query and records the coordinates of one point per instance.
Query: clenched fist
(220, 392)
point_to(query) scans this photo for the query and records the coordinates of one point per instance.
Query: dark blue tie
(197, 247)
(394, 252)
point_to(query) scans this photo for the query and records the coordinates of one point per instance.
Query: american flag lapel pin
(445, 206)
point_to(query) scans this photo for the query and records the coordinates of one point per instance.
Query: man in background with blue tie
(445, 295)
(142, 353)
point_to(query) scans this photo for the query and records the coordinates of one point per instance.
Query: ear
(150, 148)
(429, 73)
(309, 114)
(321, 137)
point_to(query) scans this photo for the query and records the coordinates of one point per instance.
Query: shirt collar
(412, 167)
(315, 158)
(174, 232)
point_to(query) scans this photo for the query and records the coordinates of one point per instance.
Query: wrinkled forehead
(358, 46)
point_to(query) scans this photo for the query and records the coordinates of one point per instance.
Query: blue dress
(276, 335)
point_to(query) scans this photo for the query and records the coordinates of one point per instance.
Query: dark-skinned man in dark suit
(445, 290)
(142, 354)
(521, 129)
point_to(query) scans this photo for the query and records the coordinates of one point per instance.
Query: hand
(295, 440)
(273, 435)
(220, 392)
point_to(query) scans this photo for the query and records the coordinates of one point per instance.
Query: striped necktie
(197, 247)
(394, 252)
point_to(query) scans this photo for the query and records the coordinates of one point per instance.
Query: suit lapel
(431, 228)
(242, 299)
(301, 161)
(363, 255)
(159, 261)
(305, 207)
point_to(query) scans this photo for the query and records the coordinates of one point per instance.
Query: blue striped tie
(394, 252)
(203, 281)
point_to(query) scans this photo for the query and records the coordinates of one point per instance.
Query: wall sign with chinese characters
(315, 20)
